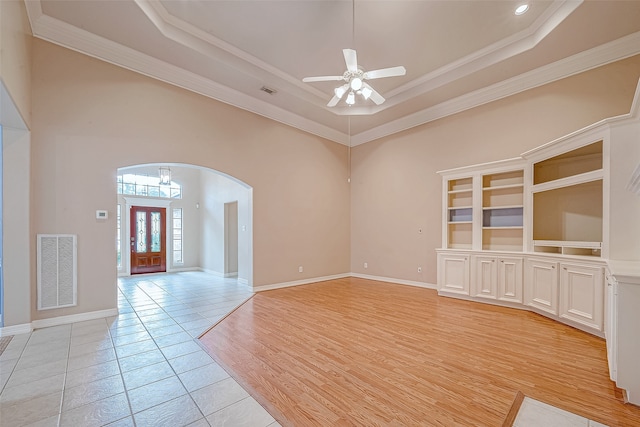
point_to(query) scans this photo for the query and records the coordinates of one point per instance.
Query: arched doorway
(209, 218)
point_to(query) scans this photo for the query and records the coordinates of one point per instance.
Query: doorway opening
(231, 239)
(148, 240)
(206, 225)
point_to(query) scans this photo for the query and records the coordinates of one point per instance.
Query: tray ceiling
(458, 54)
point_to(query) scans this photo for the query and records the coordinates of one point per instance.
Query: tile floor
(140, 368)
(534, 413)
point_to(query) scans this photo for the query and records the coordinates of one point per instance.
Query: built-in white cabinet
(497, 278)
(453, 273)
(573, 291)
(621, 331)
(538, 231)
(541, 285)
(582, 294)
(510, 279)
(611, 324)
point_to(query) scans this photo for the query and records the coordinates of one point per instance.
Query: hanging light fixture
(351, 98)
(165, 175)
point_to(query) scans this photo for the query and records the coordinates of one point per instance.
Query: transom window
(145, 185)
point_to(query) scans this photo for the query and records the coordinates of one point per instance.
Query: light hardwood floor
(355, 352)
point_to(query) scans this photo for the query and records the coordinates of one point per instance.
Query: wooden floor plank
(356, 352)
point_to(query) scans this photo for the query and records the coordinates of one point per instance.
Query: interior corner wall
(216, 191)
(395, 188)
(16, 239)
(113, 117)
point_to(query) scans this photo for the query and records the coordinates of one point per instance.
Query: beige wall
(15, 55)
(396, 190)
(15, 117)
(90, 118)
(216, 191)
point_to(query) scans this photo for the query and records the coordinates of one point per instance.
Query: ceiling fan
(354, 79)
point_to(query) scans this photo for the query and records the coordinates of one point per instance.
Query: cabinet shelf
(565, 247)
(459, 191)
(489, 208)
(591, 176)
(503, 187)
(581, 161)
(506, 227)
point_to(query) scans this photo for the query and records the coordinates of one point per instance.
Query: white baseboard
(183, 269)
(24, 328)
(397, 281)
(73, 318)
(215, 273)
(298, 282)
(244, 282)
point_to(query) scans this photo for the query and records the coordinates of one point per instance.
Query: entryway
(148, 240)
(200, 219)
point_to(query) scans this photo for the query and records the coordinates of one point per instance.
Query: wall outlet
(419, 269)
(300, 269)
(366, 265)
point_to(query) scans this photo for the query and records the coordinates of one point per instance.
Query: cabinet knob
(553, 266)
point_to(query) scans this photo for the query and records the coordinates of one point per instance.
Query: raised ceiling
(458, 54)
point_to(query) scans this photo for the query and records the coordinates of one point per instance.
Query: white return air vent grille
(57, 277)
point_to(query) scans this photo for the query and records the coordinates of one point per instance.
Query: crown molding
(63, 34)
(194, 38)
(499, 51)
(66, 35)
(601, 55)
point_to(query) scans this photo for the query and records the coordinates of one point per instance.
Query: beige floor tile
(155, 393)
(38, 372)
(190, 361)
(97, 413)
(91, 392)
(30, 411)
(217, 396)
(201, 377)
(146, 375)
(174, 413)
(92, 373)
(31, 390)
(245, 413)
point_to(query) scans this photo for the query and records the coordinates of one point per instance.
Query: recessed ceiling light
(522, 9)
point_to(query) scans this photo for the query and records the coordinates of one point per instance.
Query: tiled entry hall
(141, 368)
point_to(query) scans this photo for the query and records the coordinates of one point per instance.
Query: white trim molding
(71, 37)
(24, 328)
(73, 318)
(395, 281)
(299, 282)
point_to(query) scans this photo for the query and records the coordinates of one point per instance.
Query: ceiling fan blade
(351, 59)
(334, 101)
(375, 96)
(322, 79)
(385, 72)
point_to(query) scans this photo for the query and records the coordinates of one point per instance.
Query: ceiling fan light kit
(354, 79)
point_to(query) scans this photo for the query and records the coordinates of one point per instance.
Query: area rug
(4, 342)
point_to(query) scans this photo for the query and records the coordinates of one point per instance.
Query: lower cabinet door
(510, 279)
(541, 285)
(582, 294)
(453, 273)
(484, 278)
